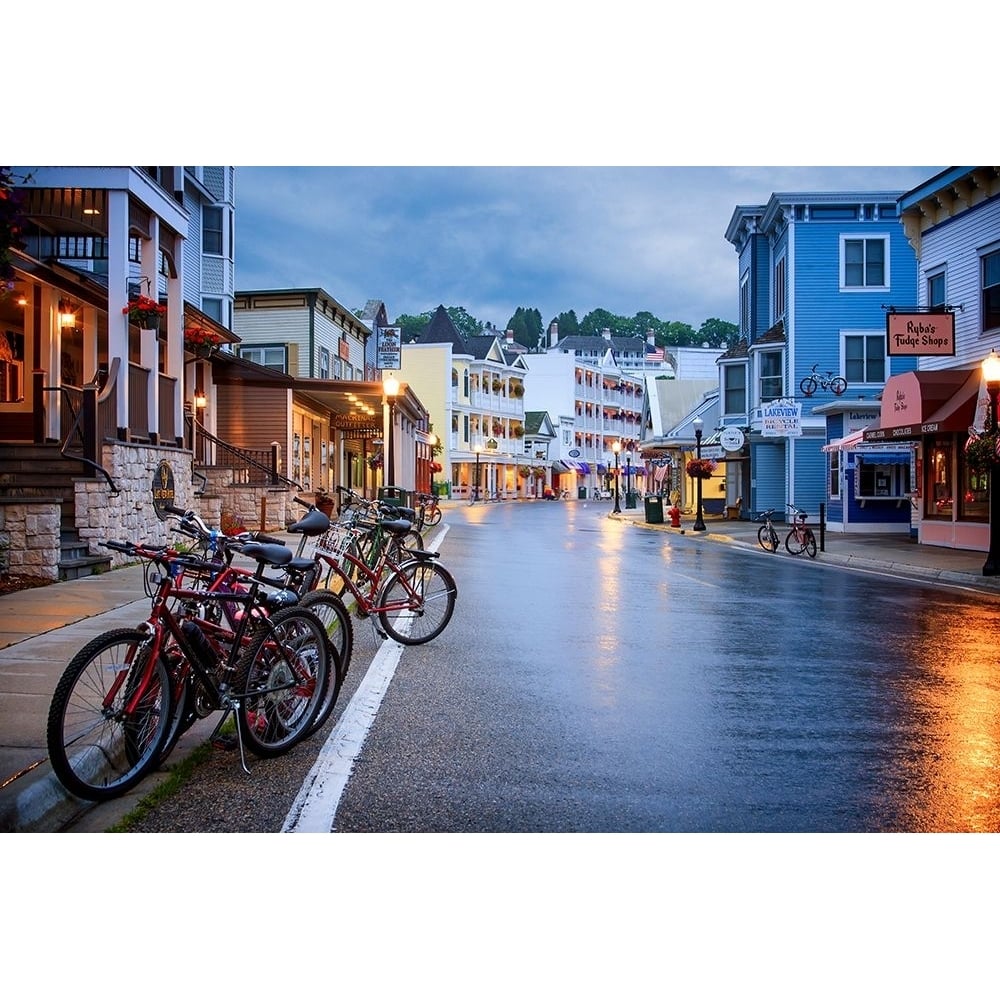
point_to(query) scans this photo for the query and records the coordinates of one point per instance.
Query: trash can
(654, 510)
(396, 496)
(630, 501)
(581, 493)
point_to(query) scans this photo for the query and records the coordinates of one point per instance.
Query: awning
(918, 403)
(884, 457)
(846, 443)
(583, 467)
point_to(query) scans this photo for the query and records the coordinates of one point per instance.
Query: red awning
(918, 403)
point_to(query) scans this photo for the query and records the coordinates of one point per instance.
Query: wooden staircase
(41, 470)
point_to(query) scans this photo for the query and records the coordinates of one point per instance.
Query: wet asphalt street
(597, 677)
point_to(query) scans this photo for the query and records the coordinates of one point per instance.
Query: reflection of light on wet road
(953, 722)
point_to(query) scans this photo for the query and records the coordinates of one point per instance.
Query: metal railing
(250, 466)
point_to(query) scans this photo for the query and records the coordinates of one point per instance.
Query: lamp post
(616, 448)
(699, 520)
(479, 451)
(628, 478)
(431, 443)
(390, 387)
(991, 372)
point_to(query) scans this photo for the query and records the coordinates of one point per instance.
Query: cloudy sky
(625, 239)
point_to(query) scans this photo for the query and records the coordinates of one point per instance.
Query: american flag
(654, 353)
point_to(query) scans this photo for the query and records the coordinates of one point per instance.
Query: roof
(441, 330)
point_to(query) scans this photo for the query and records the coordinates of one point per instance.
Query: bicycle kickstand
(239, 738)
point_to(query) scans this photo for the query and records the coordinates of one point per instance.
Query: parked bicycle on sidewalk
(766, 535)
(800, 538)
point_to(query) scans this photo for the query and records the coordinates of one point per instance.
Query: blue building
(818, 272)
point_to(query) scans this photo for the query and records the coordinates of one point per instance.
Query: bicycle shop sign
(781, 418)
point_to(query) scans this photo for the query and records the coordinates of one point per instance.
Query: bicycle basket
(336, 541)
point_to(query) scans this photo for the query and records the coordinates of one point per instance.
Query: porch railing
(250, 466)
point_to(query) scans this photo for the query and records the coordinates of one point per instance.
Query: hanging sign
(908, 334)
(781, 418)
(388, 346)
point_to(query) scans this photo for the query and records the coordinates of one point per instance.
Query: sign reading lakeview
(920, 333)
(781, 418)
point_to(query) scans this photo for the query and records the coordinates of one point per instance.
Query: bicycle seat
(396, 526)
(272, 555)
(314, 523)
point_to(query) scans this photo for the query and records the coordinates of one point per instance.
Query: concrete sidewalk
(42, 629)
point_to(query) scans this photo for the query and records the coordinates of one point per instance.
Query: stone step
(75, 568)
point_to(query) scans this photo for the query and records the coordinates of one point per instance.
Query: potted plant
(200, 341)
(144, 312)
(981, 451)
(701, 468)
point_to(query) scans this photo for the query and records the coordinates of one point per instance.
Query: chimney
(606, 333)
(650, 338)
(553, 334)
(510, 336)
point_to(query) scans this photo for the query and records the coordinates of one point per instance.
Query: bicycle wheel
(768, 538)
(417, 602)
(400, 545)
(809, 545)
(432, 517)
(281, 681)
(332, 612)
(794, 543)
(808, 385)
(109, 715)
(839, 386)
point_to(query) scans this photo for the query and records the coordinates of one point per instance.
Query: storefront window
(939, 493)
(974, 504)
(834, 475)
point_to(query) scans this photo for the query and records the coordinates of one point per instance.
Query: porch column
(117, 300)
(149, 346)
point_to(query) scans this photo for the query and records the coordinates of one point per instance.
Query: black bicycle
(766, 535)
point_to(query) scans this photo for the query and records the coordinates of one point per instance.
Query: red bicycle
(124, 699)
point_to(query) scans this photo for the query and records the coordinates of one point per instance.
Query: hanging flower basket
(517, 390)
(437, 467)
(375, 461)
(701, 468)
(982, 450)
(201, 342)
(144, 312)
(539, 472)
(519, 431)
(523, 471)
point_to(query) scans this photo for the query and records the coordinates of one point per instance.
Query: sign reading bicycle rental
(163, 489)
(920, 333)
(781, 418)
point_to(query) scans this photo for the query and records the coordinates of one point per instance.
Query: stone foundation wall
(131, 515)
(29, 537)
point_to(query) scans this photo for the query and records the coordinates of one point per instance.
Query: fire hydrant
(675, 516)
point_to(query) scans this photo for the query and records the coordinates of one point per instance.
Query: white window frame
(780, 291)
(759, 372)
(745, 306)
(846, 238)
(844, 334)
(258, 354)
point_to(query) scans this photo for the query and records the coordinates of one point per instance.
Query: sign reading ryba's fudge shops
(920, 333)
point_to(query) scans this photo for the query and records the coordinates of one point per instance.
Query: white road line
(316, 804)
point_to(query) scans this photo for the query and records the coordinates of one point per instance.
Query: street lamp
(991, 373)
(479, 451)
(699, 521)
(628, 478)
(616, 448)
(390, 387)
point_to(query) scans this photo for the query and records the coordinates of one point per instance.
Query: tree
(467, 325)
(526, 325)
(412, 326)
(716, 332)
(568, 324)
(599, 320)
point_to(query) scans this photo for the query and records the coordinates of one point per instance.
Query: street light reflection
(951, 737)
